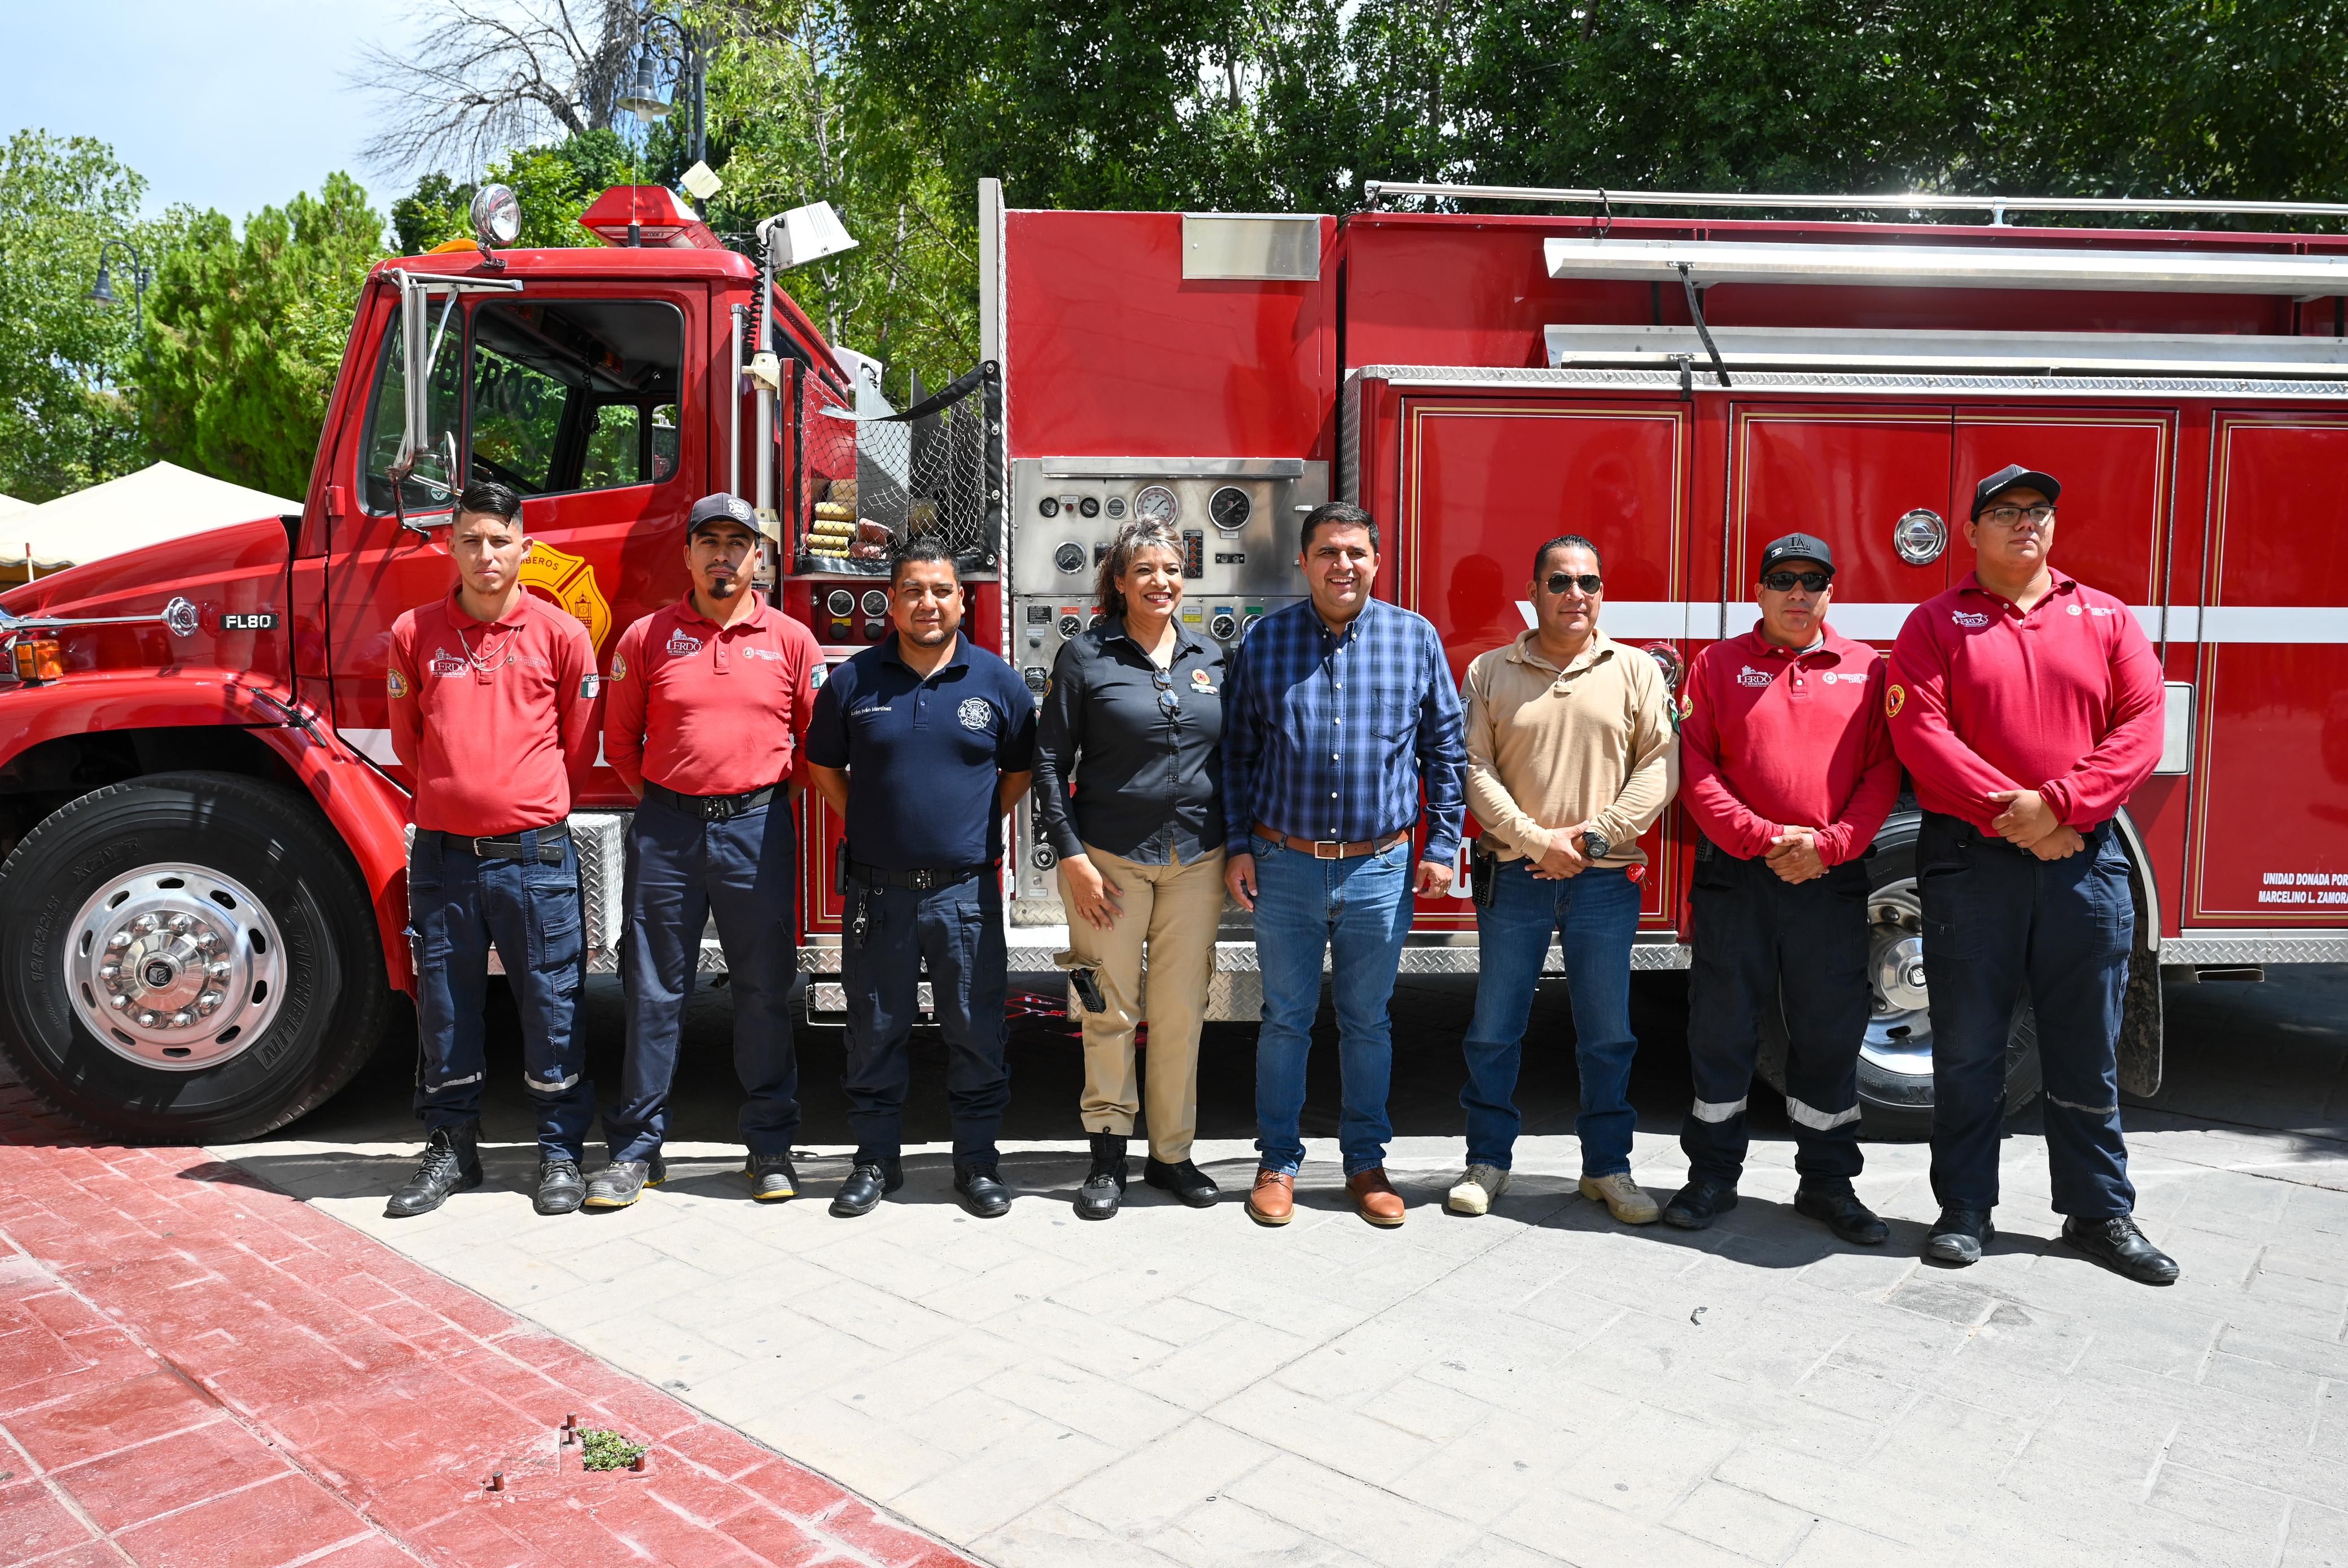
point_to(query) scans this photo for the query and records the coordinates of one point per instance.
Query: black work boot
(560, 1188)
(1843, 1213)
(861, 1192)
(773, 1177)
(982, 1191)
(451, 1163)
(1694, 1206)
(1958, 1236)
(1105, 1182)
(1184, 1180)
(2119, 1246)
(622, 1182)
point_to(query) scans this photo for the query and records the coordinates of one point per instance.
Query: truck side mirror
(420, 338)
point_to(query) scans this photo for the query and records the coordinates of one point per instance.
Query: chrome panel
(2260, 947)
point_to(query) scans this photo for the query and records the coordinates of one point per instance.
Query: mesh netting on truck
(873, 483)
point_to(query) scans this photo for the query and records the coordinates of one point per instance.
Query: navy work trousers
(1999, 922)
(459, 906)
(958, 928)
(1758, 939)
(681, 871)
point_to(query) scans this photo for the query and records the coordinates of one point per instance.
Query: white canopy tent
(165, 502)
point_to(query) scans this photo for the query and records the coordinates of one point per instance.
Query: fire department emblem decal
(1199, 679)
(568, 582)
(976, 713)
(1894, 699)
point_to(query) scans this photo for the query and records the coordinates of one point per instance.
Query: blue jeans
(958, 930)
(1997, 919)
(458, 906)
(1357, 912)
(1595, 914)
(682, 871)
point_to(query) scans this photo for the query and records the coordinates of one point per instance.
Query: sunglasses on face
(1784, 582)
(1589, 582)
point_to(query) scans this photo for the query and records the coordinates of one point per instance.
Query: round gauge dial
(1116, 504)
(840, 602)
(1089, 506)
(1229, 509)
(876, 602)
(1049, 507)
(1069, 557)
(1156, 503)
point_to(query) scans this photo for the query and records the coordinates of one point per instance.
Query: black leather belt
(710, 808)
(548, 851)
(921, 879)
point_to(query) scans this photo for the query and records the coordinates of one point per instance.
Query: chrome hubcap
(175, 966)
(1899, 1028)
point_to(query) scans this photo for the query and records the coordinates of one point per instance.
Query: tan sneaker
(1624, 1198)
(1476, 1190)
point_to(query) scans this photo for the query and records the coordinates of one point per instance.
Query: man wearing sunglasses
(2028, 707)
(1570, 758)
(1789, 772)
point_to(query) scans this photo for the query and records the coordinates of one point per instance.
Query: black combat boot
(451, 1163)
(1105, 1182)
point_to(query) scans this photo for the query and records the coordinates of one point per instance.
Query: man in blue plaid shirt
(1335, 712)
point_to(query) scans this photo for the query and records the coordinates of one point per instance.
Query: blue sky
(233, 104)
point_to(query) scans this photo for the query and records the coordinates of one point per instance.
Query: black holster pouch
(1483, 872)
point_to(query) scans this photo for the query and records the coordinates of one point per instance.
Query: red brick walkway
(197, 1371)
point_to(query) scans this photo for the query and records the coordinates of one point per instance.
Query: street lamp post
(102, 291)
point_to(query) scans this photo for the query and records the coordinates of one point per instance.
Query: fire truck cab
(202, 906)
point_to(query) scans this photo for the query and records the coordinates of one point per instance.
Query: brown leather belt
(1330, 849)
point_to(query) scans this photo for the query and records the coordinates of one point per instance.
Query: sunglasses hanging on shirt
(1169, 701)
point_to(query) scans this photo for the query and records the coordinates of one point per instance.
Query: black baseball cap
(720, 507)
(2006, 479)
(1798, 547)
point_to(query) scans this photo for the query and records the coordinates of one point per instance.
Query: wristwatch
(1595, 845)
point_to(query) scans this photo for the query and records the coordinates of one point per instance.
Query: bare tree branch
(484, 76)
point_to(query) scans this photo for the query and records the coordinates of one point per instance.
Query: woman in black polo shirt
(1133, 721)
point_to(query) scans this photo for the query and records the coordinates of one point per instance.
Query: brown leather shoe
(1273, 1201)
(1374, 1196)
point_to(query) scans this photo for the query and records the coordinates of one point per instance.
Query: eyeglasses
(2007, 516)
(1784, 582)
(1169, 701)
(1589, 582)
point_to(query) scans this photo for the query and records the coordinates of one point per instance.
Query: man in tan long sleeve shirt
(1571, 757)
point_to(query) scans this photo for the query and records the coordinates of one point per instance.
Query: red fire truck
(202, 904)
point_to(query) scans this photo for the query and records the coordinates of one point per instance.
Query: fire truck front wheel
(187, 958)
(1895, 1060)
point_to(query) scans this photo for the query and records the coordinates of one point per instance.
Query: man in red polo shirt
(492, 697)
(2027, 706)
(1788, 769)
(708, 702)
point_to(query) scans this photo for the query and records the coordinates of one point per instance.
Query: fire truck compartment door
(1854, 475)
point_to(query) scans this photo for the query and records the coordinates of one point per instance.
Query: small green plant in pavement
(607, 1450)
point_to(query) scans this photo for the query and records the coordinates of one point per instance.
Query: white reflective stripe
(1705, 621)
(374, 744)
(2273, 624)
(1717, 1110)
(457, 1083)
(2085, 1109)
(1817, 1120)
(530, 1082)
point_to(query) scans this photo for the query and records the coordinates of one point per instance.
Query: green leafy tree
(247, 332)
(555, 183)
(66, 419)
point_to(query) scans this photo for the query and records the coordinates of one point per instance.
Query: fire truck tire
(219, 934)
(1895, 1076)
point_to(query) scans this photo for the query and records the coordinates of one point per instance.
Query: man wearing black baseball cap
(2028, 707)
(709, 700)
(1786, 768)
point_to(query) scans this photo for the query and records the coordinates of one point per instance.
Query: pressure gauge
(1069, 557)
(1156, 503)
(1229, 508)
(840, 603)
(876, 602)
(1116, 505)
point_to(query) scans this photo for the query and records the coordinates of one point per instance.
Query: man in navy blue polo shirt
(921, 744)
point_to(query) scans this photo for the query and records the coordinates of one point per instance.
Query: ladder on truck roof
(1997, 207)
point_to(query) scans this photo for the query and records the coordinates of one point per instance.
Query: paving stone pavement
(1539, 1386)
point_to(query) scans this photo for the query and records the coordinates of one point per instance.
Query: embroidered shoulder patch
(1894, 699)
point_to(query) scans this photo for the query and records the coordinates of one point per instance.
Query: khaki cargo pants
(1171, 911)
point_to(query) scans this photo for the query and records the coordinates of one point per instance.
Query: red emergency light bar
(659, 218)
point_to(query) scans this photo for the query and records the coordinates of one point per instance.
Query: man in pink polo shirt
(709, 699)
(2027, 706)
(1788, 769)
(492, 699)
